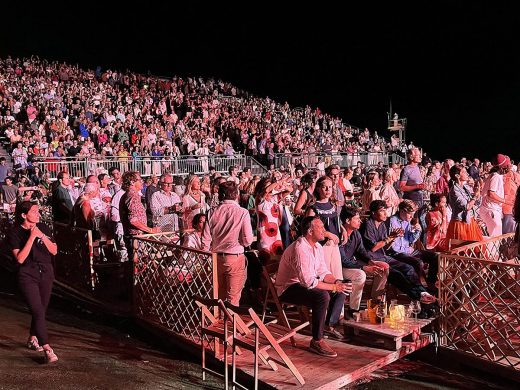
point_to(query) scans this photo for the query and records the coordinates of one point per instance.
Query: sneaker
(33, 344)
(427, 298)
(50, 356)
(333, 333)
(322, 348)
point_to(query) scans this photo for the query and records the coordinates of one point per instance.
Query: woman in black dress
(33, 247)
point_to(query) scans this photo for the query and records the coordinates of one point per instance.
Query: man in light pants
(357, 262)
(493, 197)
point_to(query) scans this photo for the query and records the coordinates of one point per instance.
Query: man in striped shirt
(165, 204)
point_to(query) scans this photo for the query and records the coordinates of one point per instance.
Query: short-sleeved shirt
(9, 192)
(39, 254)
(493, 183)
(328, 214)
(411, 175)
(131, 209)
(372, 234)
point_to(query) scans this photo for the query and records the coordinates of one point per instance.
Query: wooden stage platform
(353, 362)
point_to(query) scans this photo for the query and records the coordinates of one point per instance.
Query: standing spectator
(115, 186)
(193, 201)
(327, 211)
(131, 210)
(462, 200)
(19, 157)
(4, 170)
(268, 222)
(474, 170)
(151, 189)
(372, 190)
(388, 192)
(165, 205)
(511, 184)
(61, 200)
(233, 175)
(32, 247)
(227, 231)
(493, 197)
(437, 224)
(306, 197)
(411, 181)
(304, 279)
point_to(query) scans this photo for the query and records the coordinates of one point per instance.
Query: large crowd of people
(327, 227)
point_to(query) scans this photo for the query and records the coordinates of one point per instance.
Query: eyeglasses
(166, 184)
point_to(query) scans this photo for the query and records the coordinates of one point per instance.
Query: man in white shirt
(304, 279)
(493, 197)
(165, 204)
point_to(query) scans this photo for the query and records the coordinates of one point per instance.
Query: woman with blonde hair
(372, 190)
(193, 201)
(388, 192)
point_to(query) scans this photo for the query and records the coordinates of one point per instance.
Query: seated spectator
(409, 231)
(193, 239)
(437, 224)
(376, 239)
(304, 279)
(357, 262)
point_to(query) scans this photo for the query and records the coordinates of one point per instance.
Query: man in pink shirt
(304, 279)
(227, 231)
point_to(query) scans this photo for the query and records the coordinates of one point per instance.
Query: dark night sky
(451, 68)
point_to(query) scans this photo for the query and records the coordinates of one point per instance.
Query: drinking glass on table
(415, 308)
(381, 312)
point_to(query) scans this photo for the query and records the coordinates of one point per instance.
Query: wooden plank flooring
(352, 363)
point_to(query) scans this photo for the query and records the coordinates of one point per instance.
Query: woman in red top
(437, 224)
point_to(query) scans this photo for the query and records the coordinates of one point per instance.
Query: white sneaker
(50, 356)
(33, 344)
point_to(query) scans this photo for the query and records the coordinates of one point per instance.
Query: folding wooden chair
(217, 327)
(260, 339)
(269, 273)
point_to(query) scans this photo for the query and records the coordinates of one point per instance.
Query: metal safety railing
(479, 291)
(182, 165)
(166, 277)
(344, 160)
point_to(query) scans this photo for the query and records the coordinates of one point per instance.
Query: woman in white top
(193, 239)
(372, 190)
(388, 192)
(193, 201)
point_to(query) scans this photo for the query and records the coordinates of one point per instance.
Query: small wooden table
(392, 338)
